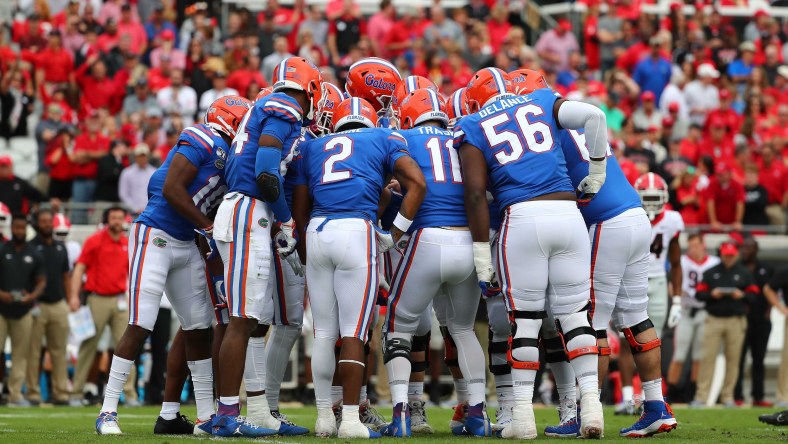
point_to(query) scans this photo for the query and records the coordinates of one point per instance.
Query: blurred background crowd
(101, 89)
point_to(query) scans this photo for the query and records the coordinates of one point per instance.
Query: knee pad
(523, 345)
(554, 350)
(501, 348)
(396, 348)
(450, 356)
(603, 351)
(578, 326)
(637, 329)
(259, 331)
(421, 344)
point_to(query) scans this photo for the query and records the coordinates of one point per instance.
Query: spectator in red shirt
(498, 27)
(240, 79)
(688, 198)
(725, 199)
(774, 177)
(105, 262)
(128, 25)
(60, 19)
(59, 156)
(403, 33)
(725, 114)
(89, 147)
(159, 78)
(717, 144)
(691, 145)
(55, 63)
(168, 49)
(98, 90)
(380, 25)
(591, 36)
(30, 34)
(109, 38)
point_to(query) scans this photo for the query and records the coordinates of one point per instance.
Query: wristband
(402, 223)
(676, 300)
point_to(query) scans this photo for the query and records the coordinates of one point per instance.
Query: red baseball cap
(564, 24)
(167, 34)
(729, 249)
(725, 94)
(675, 6)
(716, 123)
(761, 13)
(6, 161)
(647, 95)
(673, 107)
(668, 121)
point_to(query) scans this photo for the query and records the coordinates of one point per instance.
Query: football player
(375, 80)
(620, 234)
(163, 255)
(509, 143)
(261, 150)
(437, 263)
(689, 330)
(341, 178)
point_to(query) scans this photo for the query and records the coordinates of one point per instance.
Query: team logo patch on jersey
(220, 153)
(219, 164)
(263, 222)
(159, 242)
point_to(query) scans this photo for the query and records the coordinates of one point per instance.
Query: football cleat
(476, 422)
(626, 408)
(336, 409)
(523, 424)
(180, 425)
(204, 427)
(355, 429)
(238, 426)
(458, 420)
(418, 419)
(657, 417)
(326, 424)
(503, 416)
(370, 417)
(400, 425)
(592, 421)
(107, 424)
(568, 426)
(287, 427)
(775, 419)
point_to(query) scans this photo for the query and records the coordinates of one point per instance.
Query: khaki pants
(729, 332)
(105, 313)
(776, 214)
(19, 331)
(52, 323)
(782, 373)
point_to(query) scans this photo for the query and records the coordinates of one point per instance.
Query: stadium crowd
(106, 87)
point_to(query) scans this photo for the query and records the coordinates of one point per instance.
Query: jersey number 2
(529, 131)
(345, 145)
(436, 156)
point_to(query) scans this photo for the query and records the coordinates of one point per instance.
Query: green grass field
(76, 425)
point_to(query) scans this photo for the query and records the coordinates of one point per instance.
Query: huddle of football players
(388, 194)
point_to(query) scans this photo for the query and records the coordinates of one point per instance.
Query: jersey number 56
(536, 136)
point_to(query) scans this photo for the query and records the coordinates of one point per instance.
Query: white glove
(384, 238)
(286, 244)
(674, 315)
(485, 273)
(591, 184)
(293, 258)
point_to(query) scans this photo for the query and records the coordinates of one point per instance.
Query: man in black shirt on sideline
(22, 282)
(50, 317)
(727, 289)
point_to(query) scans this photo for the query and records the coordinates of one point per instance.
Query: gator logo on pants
(159, 242)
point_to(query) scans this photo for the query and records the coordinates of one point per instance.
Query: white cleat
(523, 423)
(326, 425)
(107, 424)
(418, 419)
(592, 421)
(355, 429)
(503, 416)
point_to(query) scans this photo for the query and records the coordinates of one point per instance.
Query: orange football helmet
(300, 74)
(423, 105)
(526, 81)
(263, 92)
(486, 85)
(332, 97)
(354, 110)
(374, 80)
(410, 84)
(457, 106)
(225, 114)
(653, 191)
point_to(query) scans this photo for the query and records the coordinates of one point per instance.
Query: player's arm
(181, 174)
(269, 179)
(771, 295)
(410, 177)
(76, 286)
(579, 115)
(302, 206)
(674, 257)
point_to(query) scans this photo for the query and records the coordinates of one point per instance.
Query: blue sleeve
(196, 156)
(194, 147)
(267, 161)
(397, 148)
(299, 173)
(279, 128)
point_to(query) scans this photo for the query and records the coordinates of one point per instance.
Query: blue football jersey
(516, 135)
(206, 150)
(444, 204)
(615, 196)
(346, 171)
(277, 115)
(290, 177)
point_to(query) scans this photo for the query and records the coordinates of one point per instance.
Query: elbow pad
(266, 170)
